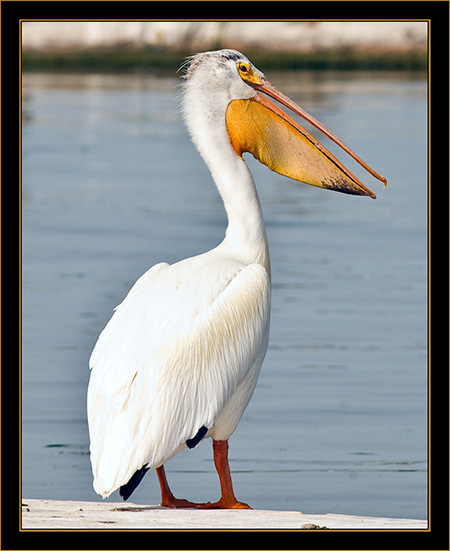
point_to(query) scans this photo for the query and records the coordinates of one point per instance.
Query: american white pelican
(180, 357)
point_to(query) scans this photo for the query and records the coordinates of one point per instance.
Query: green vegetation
(128, 59)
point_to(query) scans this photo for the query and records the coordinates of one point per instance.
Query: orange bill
(261, 128)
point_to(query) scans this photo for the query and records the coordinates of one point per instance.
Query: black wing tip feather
(127, 489)
(192, 442)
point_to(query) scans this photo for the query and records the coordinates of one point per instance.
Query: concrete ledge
(82, 515)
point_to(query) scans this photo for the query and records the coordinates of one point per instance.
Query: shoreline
(151, 59)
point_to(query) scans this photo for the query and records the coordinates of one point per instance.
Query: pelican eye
(247, 73)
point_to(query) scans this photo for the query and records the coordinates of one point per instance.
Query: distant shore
(150, 59)
(152, 45)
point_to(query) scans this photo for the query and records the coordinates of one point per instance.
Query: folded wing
(169, 359)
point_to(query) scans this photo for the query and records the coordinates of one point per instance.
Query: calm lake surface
(112, 185)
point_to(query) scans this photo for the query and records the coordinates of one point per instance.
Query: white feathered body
(182, 351)
(185, 347)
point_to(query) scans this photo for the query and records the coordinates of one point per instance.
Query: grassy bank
(126, 59)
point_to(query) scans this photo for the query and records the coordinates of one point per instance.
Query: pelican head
(223, 88)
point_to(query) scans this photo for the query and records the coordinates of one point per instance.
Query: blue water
(112, 185)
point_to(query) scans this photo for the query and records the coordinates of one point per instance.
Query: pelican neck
(245, 236)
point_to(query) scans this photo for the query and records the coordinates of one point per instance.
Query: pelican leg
(167, 497)
(228, 499)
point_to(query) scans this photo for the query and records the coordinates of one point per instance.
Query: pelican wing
(169, 359)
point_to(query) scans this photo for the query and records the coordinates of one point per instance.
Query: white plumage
(176, 351)
(182, 352)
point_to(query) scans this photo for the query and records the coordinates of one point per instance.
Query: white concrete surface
(196, 35)
(49, 514)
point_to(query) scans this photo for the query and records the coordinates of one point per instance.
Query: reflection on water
(112, 185)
